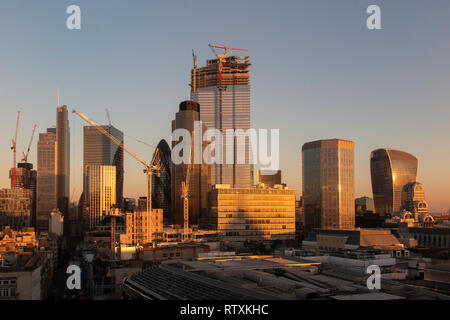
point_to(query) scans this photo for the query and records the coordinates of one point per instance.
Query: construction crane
(14, 149)
(149, 170)
(108, 115)
(185, 197)
(194, 71)
(221, 56)
(25, 155)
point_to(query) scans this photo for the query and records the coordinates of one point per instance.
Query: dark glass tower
(99, 150)
(391, 170)
(161, 185)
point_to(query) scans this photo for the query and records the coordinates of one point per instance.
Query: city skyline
(418, 107)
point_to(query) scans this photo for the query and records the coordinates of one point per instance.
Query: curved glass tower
(391, 170)
(161, 185)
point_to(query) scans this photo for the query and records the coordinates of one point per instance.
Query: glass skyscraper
(99, 150)
(224, 98)
(391, 170)
(328, 184)
(161, 184)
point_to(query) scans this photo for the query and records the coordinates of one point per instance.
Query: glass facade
(46, 178)
(328, 184)
(225, 104)
(161, 185)
(252, 214)
(98, 149)
(100, 188)
(391, 170)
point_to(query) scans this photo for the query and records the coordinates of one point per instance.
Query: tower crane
(150, 169)
(14, 149)
(194, 71)
(185, 197)
(25, 155)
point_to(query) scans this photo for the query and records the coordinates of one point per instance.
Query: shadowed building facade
(391, 170)
(161, 184)
(328, 184)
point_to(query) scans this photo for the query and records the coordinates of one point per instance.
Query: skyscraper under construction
(222, 88)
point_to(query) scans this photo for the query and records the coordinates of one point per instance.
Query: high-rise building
(252, 214)
(391, 170)
(99, 150)
(16, 208)
(26, 178)
(269, 178)
(328, 184)
(198, 182)
(223, 92)
(100, 192)
(161, 184)
(364, 205)
(62, 159)
(46, 179)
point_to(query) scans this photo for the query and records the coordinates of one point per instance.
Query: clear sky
(317, 73)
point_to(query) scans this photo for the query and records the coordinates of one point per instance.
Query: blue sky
(317, 72)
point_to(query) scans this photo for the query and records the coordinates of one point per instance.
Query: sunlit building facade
(16, 208)
(391, 170)
(252, 214)
(99, 150)
(62, 159)
(100, 192)
(46, 200)
(269, 178)
(224, 99)
(328, 184)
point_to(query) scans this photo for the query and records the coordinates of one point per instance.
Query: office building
(269, 178)
(100, 192)
(223, 92)
(199, 176)
(391, 170)
(46, 200)
(99, 150)
(252, 214)
(16, 208)
(161, 183)
(328, 184)
(26, 178)
(62, 159)
(364, 205)
(413, 198)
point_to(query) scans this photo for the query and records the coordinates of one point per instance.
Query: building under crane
(222, 88)
(149, 169)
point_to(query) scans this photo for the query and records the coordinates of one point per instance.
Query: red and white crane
(14, 149)
(25, 155)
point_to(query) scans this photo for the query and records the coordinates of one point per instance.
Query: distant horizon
(316, 72)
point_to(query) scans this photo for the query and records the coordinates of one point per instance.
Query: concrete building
(16, 206)
(99, 150)
(56, 223)
(26, 178)
(99, 191)
(269, 178)
(391, 170)
(328, 184)
(223, 92)
(252, 214)
(62, 159)
(46, 179)
(138, 227)
(364, 205)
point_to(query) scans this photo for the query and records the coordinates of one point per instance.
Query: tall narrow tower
(222, 88)
(62, 159)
